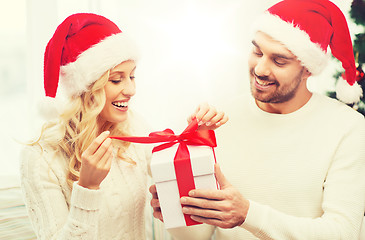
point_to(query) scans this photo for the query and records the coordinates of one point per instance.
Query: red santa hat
(83, 47)
(307, 28)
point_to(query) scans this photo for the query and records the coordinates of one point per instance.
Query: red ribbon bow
(190, 136)
(182, 163)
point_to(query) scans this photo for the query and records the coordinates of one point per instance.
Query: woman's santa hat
(83, 47)
(307, 28)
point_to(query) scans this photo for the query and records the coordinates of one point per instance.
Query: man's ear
(307, 73)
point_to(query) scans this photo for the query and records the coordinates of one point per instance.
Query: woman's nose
(129, 88)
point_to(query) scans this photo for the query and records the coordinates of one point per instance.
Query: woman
(77, 182)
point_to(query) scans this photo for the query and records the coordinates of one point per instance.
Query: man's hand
(225, 208)
(155, 203)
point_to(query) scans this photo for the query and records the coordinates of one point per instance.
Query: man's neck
(286, 107)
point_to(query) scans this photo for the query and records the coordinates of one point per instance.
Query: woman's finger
(223, 120)
(202, 109)
(215, 118)
(101, 151)
(107, 157)
(96, 143)
(208, 116)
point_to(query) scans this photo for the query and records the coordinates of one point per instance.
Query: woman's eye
(132, 77)
(115, 81)
(257, 53)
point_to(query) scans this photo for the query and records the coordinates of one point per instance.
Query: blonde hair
(78, 125)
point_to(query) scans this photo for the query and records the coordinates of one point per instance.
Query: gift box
(171, 184)
(181, 163)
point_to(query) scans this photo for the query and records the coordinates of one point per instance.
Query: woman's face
(118, 91)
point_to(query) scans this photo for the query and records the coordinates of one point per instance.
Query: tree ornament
(360, 75)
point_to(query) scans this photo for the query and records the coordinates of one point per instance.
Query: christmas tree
(357, 14)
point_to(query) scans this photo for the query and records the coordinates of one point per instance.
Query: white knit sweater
(303, 172)
(115, 211)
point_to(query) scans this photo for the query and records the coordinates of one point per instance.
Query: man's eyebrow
(277, 55)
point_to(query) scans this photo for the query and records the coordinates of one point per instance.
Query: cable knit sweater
(115, 211)
(303, 172)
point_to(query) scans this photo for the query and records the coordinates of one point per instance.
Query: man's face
(276, 75)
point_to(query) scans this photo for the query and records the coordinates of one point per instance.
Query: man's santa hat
(307, 28)
(83, 47)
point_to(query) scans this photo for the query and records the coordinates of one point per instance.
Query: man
(294, 161)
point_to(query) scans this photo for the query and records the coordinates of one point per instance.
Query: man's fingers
(217, 218)
(212, 221)
(213, 194)
(155, 203)
(153, 191)
(203, 203)
(153, 188)
(158, 215)
(206, 213)
(221, 179)
(206, 193)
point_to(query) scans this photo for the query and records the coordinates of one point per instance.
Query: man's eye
(132, 77)
(279, 62)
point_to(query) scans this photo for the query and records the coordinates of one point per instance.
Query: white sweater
(115, 211)
(303, 172)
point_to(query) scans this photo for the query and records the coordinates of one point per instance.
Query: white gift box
(163, 172)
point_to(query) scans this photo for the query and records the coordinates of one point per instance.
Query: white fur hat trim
(91, 64)
(311, 56)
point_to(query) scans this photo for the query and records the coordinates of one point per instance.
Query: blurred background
(192, 51)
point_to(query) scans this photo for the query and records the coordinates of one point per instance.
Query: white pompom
(49, 108)
(347, 93)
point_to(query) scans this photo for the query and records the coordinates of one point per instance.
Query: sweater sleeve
(342, 204)
(51, 216)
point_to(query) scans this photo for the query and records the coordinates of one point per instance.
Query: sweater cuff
(85, 198)
(255, 219)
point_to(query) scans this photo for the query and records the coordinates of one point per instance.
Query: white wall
(192, 51)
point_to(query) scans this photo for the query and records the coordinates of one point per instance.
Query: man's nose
(262, 67)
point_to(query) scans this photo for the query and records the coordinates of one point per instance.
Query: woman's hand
(96, 162)
(208, 117)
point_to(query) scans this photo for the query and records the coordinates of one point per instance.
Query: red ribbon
(182, 163)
